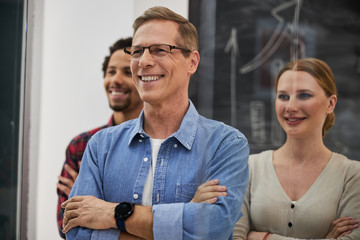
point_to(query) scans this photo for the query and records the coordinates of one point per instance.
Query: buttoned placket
(161, 169)
(144, 168)
(291, 213)
(164, 155)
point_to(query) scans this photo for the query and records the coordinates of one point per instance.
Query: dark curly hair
(119, 44)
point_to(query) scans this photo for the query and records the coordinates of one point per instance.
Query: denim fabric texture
(117, 160)
(74, 153)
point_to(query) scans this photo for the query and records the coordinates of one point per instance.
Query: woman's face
(301, 104)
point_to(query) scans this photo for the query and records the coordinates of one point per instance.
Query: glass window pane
(11, 32)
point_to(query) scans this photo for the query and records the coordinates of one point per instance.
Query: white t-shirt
(148, 188)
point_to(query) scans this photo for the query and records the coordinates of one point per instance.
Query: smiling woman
(302, 104)
(311, 78)
(302, 190)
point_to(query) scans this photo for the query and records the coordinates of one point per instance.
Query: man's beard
(120, 107)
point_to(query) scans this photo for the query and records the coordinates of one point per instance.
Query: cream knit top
(267, 208)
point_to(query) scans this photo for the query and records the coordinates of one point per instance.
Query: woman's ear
(332, 103)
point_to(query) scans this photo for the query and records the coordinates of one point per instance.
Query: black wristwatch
(122, 212)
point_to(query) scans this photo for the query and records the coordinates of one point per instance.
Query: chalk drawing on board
(282, 30)
(233, 48)
(257, 121)
(276, 133)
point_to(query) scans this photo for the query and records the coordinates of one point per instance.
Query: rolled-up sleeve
(89, 182)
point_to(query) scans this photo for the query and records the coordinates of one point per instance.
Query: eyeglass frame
(127, 51)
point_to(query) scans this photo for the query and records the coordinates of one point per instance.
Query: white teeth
(117, 93)
(149, 78)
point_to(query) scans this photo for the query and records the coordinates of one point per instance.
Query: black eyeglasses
(156, 50)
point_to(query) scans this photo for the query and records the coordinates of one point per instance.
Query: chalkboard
(11, 29)
(244, 43)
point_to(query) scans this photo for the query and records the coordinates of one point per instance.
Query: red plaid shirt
(74, 153)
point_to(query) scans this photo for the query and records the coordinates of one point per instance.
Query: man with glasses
(143, 173)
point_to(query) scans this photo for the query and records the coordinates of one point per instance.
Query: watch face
(124, 209)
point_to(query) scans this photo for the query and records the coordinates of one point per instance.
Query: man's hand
(209, 191)
(89, 212)
(67, 183)
(341, 227)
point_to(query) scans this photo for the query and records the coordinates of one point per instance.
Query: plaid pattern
(74, 153)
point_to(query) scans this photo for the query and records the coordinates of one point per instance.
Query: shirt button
(290, 224)
(292, 205)
(141, 135)
(146, 159)
(175, 145)
(136, 196)
(140, 140)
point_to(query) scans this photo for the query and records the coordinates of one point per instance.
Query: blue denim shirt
(116, 164)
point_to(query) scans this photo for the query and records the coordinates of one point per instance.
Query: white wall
(69, 42)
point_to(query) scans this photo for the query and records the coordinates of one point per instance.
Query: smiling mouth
(294, 119)
(150, 78)
(117, 92)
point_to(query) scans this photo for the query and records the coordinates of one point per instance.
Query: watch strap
(120, 223)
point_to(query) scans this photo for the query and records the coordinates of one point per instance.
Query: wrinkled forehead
(156, 32)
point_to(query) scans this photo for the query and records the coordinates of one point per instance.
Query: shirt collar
(185, 134)
(111, 121)
(187, 131)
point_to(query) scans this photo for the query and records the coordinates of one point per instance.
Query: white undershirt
(148, 188)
